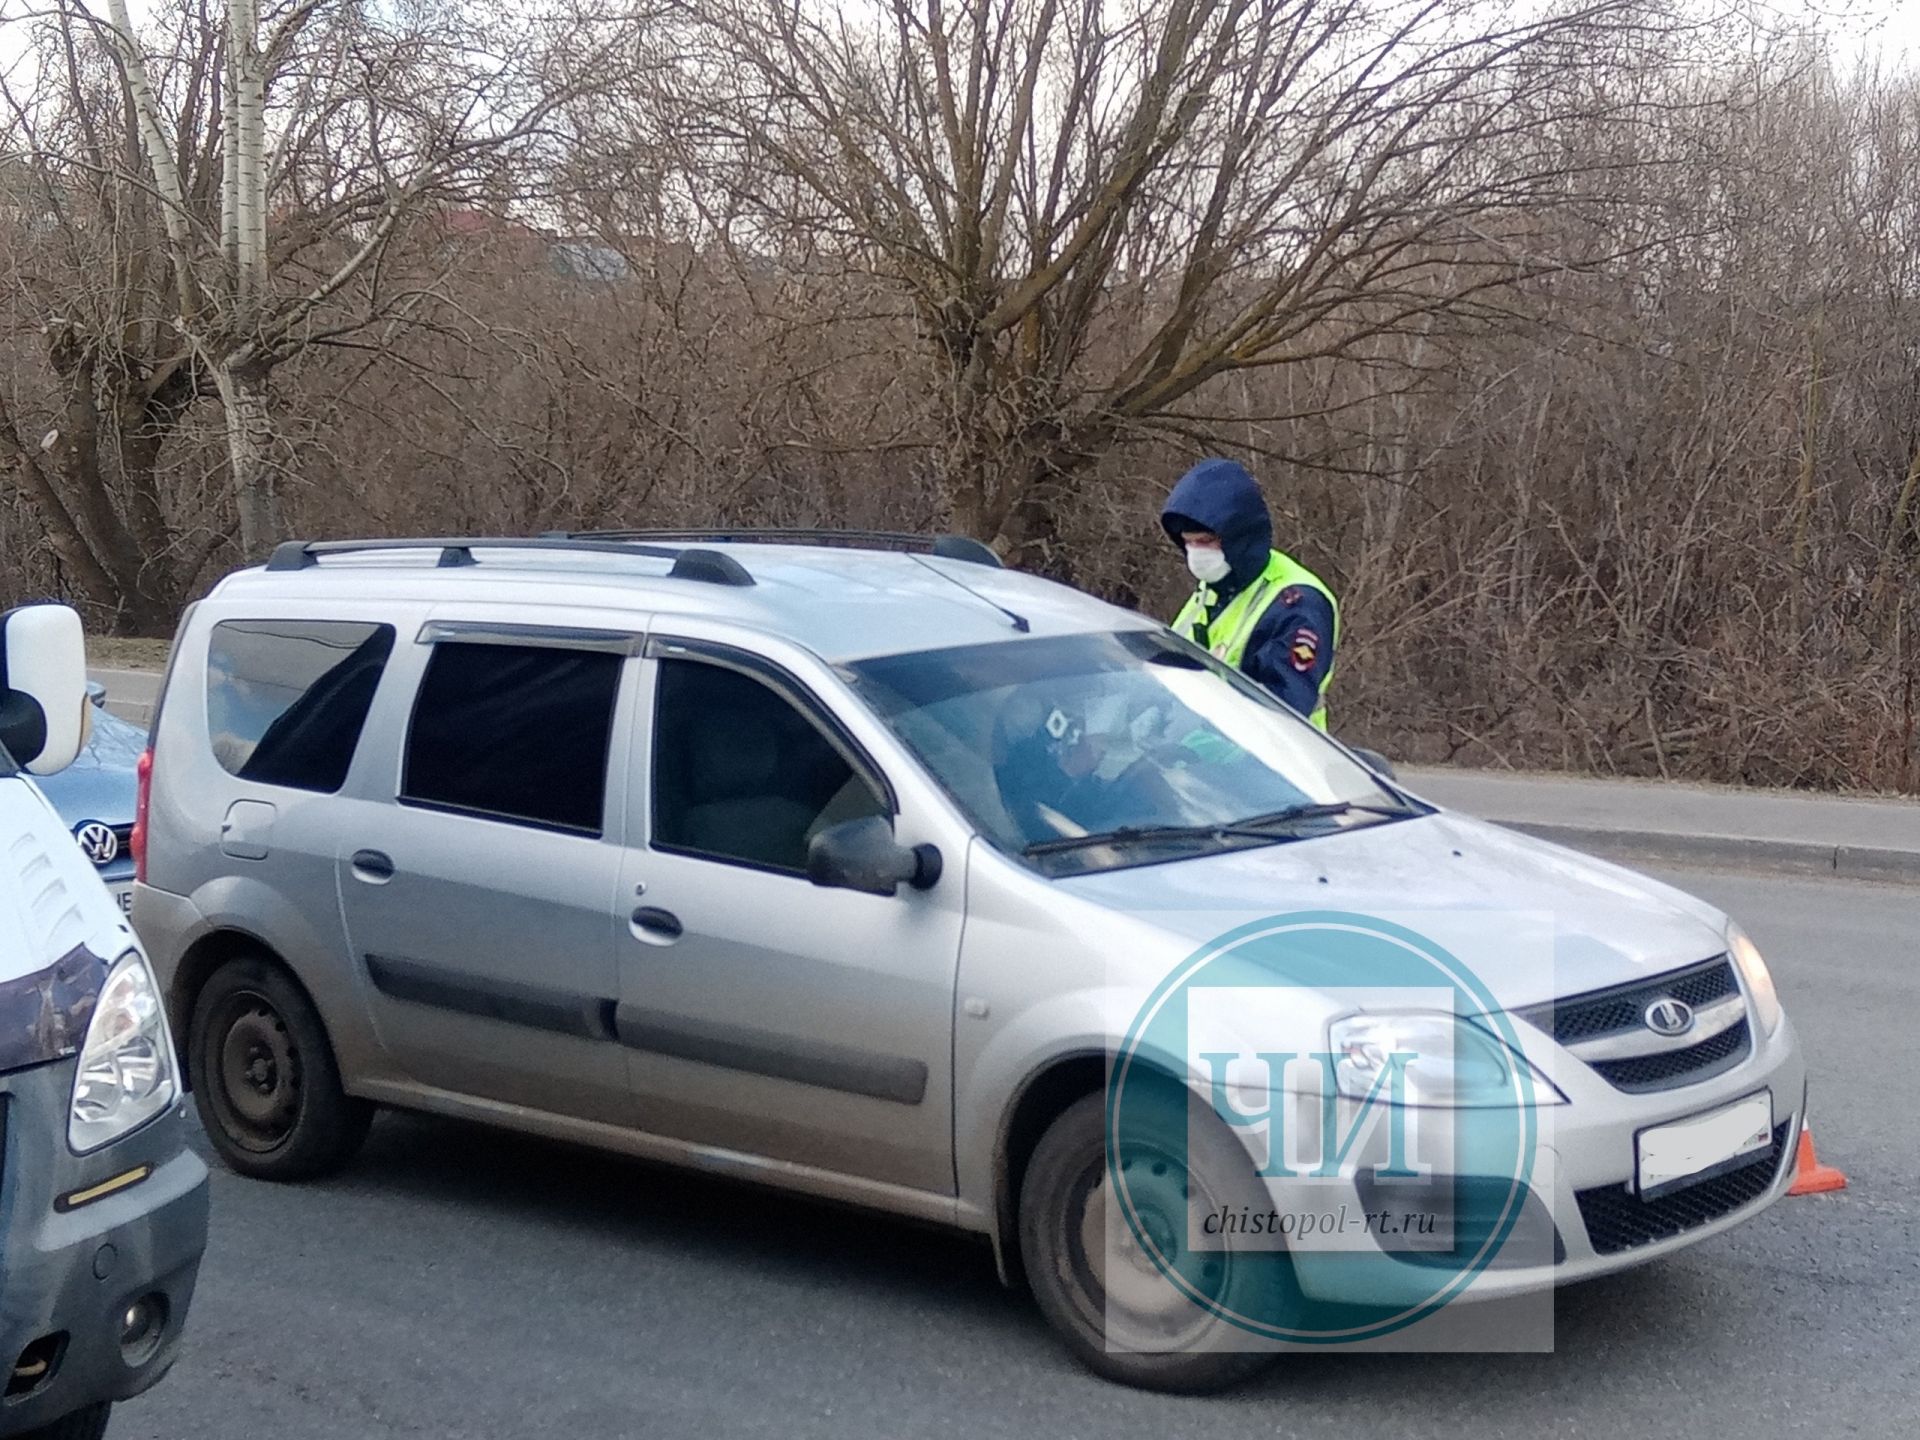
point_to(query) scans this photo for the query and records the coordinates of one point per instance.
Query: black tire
(87, 1424)
(1169, 1342)
(263, 1072)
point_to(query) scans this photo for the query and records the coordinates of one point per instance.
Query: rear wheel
(263, 1069)
(87, 1424)
(1102, 1280)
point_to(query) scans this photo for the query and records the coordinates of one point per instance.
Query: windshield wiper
(1269, 827)
(1326, 810)
(1136, 834)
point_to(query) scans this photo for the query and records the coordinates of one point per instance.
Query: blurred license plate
(123, 897)
(1688, 1151)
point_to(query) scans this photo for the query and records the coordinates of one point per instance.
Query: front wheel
(263, 1069)
(1104, 1282)
(87, 1424)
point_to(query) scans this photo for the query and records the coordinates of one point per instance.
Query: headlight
(1450, 1062)
(1757, 979)
(126, 1065)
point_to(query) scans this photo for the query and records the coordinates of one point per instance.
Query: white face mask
(1208, 564)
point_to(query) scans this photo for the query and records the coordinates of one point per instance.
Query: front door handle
(373, 866)
(660, 927)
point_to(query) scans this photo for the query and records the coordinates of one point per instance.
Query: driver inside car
(1068, 765)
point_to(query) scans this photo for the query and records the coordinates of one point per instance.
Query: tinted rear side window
(286, 699)
(512, 732)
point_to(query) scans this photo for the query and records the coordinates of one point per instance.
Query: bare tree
(1096, 214)
(1589, 378)
(82, 261)
(271, 155)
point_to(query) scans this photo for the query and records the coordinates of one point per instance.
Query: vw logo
(1667, 1016)
(97, 842)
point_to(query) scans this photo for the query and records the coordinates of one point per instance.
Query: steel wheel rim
(1121, 1266)
(255, 1068)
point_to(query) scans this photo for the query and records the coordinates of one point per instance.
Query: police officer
(1255, 607)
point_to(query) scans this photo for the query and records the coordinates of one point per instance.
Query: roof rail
(689, 563)
(946, 547)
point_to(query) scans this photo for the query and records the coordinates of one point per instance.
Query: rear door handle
(372, 866)
(657, 926)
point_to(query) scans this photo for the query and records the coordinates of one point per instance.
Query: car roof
(841, 603)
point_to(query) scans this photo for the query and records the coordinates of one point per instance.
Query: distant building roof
(588, 260)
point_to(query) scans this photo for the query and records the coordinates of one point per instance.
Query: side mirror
(44, 715)
(97, 693)
(863, 855)
(1374, 761)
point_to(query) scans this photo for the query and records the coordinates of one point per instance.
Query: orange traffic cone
(1810, 1177)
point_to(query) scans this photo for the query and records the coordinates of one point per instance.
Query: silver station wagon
(850, 864)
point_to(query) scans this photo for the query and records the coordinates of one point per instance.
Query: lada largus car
(846, 863)
(103, 1209)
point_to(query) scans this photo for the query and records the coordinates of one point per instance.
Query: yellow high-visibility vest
(1230, 630)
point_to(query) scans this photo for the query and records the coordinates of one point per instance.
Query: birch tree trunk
(243, 395)
(240, 374)
(246, 163)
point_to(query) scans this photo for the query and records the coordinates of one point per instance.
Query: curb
(118, 680)
(1851, 862)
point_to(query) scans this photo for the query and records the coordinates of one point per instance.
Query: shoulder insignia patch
(1304, 648)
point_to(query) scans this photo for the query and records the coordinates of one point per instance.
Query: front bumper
(70, 1267)
(1582, 1220)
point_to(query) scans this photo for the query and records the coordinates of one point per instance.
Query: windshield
(1095, 751)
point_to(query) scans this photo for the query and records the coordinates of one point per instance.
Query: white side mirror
(44, 719)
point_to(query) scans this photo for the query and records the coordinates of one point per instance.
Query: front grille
(1617, 1219)
(122, 844)
(1621, 1010)
(1639, 1074)
(1605, 1012)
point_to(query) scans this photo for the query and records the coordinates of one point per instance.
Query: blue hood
(1219, 495)
(101, 783)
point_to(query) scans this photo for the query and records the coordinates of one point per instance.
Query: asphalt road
(460, 1282)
